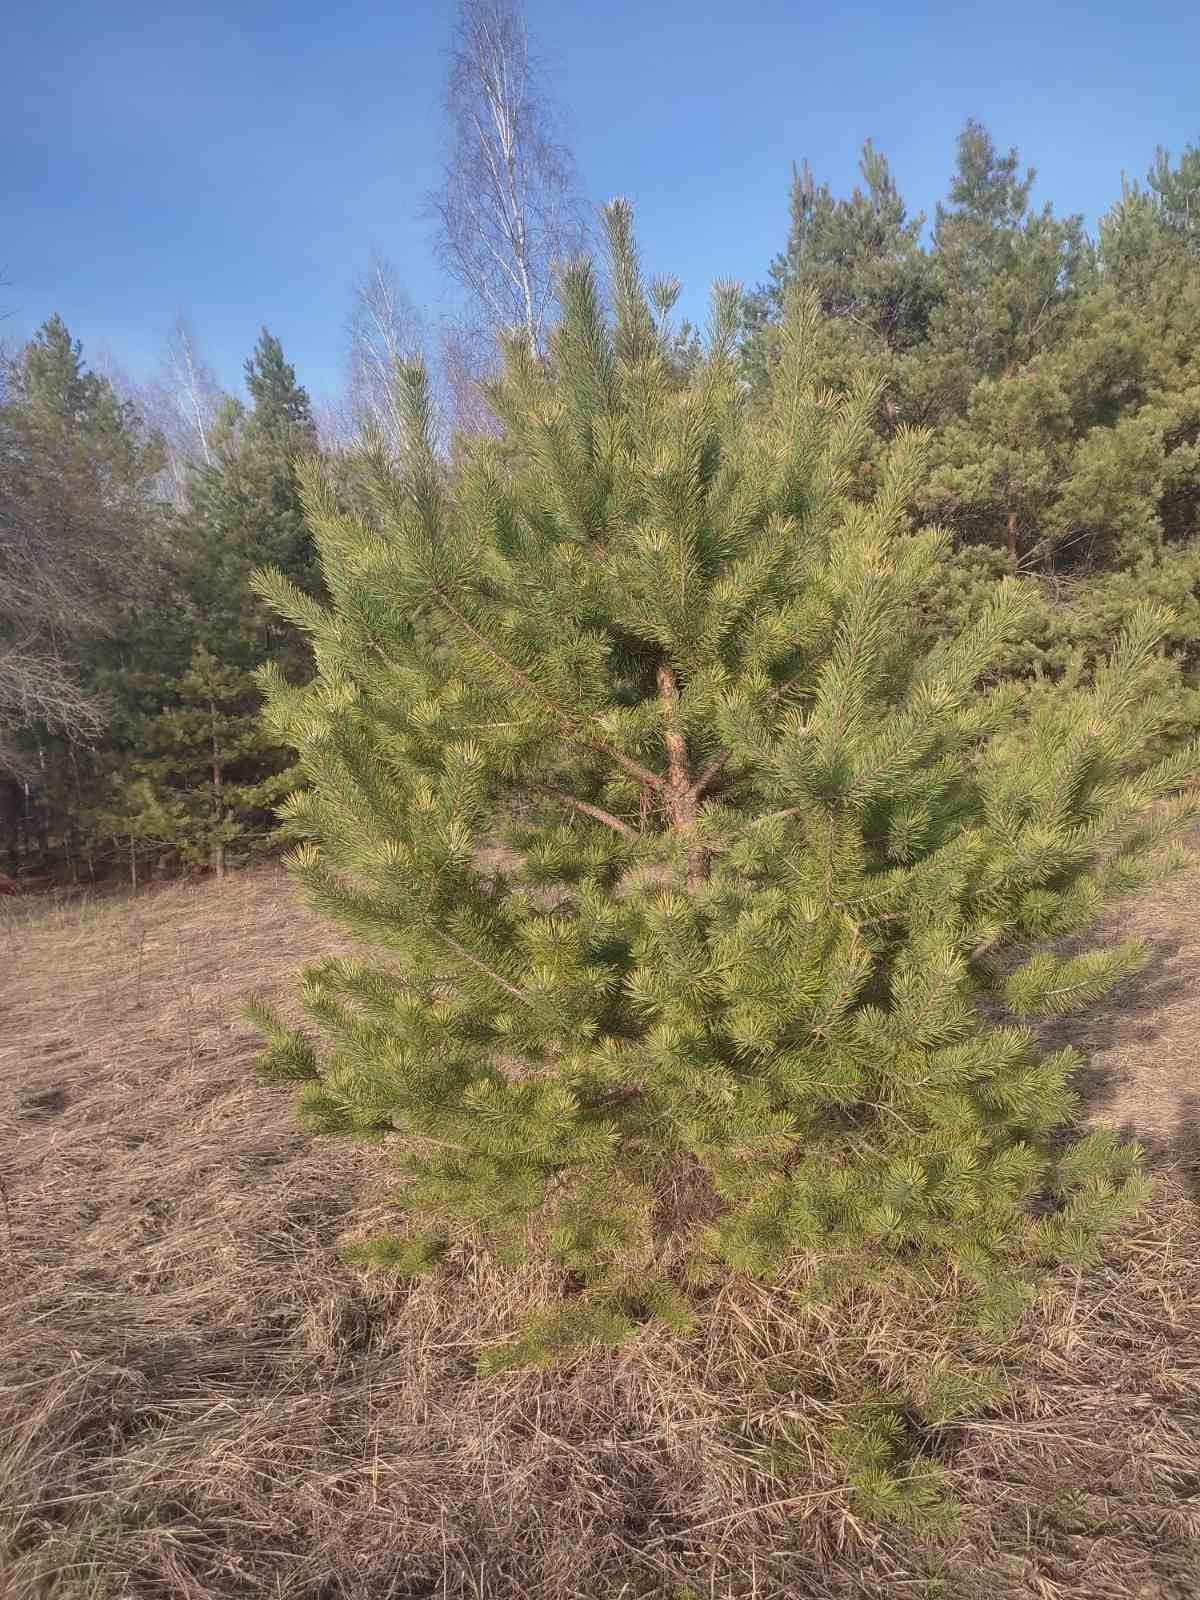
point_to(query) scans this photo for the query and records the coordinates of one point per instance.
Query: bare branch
(385, 332)
(180, 403)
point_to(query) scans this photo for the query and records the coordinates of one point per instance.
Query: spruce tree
(686, 861)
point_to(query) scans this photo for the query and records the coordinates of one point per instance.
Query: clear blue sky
(242, 159)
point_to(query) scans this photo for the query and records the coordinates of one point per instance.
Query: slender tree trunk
(10, 814)
(218, 852)
(1012, 540)
(681, 799)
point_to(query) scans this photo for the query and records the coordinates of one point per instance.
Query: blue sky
(242, 159)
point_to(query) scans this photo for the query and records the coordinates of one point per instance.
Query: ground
(198, 1399)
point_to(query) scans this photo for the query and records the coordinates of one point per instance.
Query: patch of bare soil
(198, 1399)
(1143, 1046)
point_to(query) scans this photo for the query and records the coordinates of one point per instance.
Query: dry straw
(198, 1399)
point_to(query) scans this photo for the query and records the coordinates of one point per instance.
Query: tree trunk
(1012, 540)
(682, 799)
(218, 851)
(10, 820)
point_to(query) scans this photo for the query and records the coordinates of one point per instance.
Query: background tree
(509, 205)
(861, 257)
(77, 523)
(186, 766)
(184, 400)
(1008, 279)
(200, 777)
(385, 331)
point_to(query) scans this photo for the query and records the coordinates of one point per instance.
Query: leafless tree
(41, 598)
(332, 418)
(466, 356)
(194, 389)
(73, 545)
(180, 402)
(385, 330)
(510, 205)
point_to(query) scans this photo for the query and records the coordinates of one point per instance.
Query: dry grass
(197, 1399)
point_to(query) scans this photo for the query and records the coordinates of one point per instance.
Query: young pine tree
(201, 777)
(716, 1003)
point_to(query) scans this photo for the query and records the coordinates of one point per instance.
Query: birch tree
(385, 332)
(182, 401)
(510, 204)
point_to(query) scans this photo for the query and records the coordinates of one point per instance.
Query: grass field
(198, 1399)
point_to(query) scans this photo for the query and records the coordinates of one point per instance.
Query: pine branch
(597, 813)
(481, 966)
(711, 772)
(633, 768)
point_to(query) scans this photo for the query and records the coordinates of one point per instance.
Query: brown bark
(1012, 538)
(585, 808)
(681, 800)
(218, 853)
(678, 775)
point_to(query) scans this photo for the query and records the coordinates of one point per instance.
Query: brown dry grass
(197, 1399)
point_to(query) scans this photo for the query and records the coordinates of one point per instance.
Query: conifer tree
(1008, 276)
(715, 1002)
(192, 769)
(199, 775)
(861, 257)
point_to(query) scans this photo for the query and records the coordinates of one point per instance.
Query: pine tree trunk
(10, 814)
(682, 800)
(218, 851)
(1012, 540)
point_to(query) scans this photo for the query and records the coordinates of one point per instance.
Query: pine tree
(861, 257)
(190, 768)
(244, 509)
(715, 1001)
(1008, 279)
(1060, 461)
(200, 776)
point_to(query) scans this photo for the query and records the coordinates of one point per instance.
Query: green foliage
(1062, 378)
(183, 769)
(288, 1053)
(76, 530)
(205, 773)
(890, 1480)
(769, 839)
(406, 1258)
(860, 257)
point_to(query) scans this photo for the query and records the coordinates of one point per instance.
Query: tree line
(1057, 372)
